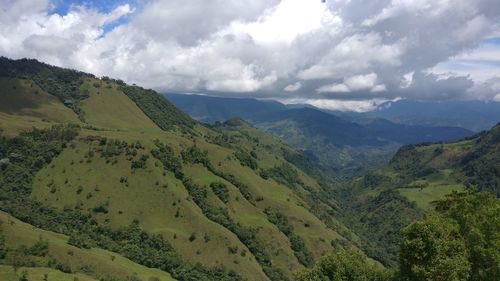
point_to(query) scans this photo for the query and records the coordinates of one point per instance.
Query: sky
(340, 54)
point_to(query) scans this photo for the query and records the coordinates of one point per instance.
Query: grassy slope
(153, 199)
(445, 177)
(7, 273)
(107, 107)
(24, 105)
(100, 262)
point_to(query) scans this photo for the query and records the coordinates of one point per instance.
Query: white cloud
(355, 54)
(293, 87)
(355, 83)
(340, 105)
(286, 21)
(272, 48)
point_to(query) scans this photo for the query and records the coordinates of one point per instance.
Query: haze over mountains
(473, 115)
(352, 141)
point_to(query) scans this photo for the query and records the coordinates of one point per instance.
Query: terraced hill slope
(113, 176)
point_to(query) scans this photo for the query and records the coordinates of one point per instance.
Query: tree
(348, 265)
(433, 249)
(477, 215)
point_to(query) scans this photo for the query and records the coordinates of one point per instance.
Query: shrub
(220, 189)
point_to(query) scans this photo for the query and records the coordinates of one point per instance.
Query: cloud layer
(342, 52)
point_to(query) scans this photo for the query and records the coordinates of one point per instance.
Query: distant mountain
(210, 109)
(472, 115)
(333, 141)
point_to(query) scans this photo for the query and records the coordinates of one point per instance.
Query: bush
(79, 240)
(192, 237)
(246, 159)
(220, 189)
(141, 163)
(284, 174)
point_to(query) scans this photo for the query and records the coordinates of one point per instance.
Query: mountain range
(334, 141)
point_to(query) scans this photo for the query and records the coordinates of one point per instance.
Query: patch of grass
(425, 196)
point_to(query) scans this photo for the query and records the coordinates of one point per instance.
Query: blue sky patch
(62, 7)
(491, 41)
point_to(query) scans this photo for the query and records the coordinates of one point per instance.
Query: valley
(101, 180)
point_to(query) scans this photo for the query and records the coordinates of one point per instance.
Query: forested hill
(386, 200)
(105, 181)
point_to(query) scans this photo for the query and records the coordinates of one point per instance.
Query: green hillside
(42, 252)
(384, 201)
(117, 171)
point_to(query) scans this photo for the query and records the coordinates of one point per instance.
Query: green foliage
(220, 189)
(298, 246)
(243, 188)
(79, 240)
(167, 156)
(158, 109)
(432, 249)
(482, 165)
(63, 83)
(378, 220)
(246, 159)
(39, 249)
(458, 242)
(246, 235)
(140, 163)
(477, 216)
(342, 266)
(194, 155)
(284, 174)
(15, 188)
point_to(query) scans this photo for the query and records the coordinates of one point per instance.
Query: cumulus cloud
(353, 51)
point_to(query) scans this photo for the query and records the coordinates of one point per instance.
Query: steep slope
(383, 202)
(24, 105)
(136, 176)
(43, 248)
